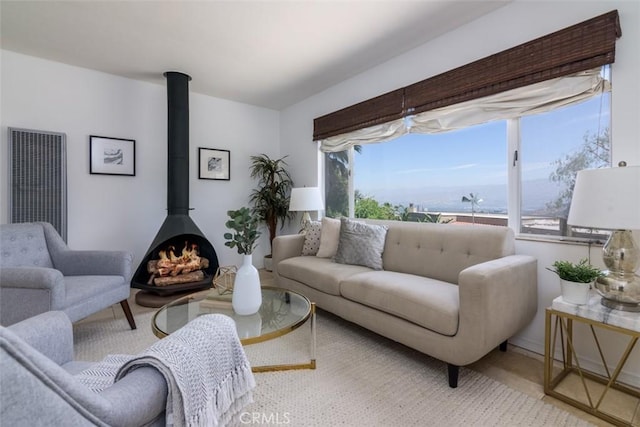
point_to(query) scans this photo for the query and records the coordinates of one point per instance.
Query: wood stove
(179, 239)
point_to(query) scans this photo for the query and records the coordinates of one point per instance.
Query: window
(554, 147)
(470, 175)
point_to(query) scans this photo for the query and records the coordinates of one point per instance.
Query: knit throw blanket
(207, 372)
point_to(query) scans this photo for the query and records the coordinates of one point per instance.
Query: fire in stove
(171, 269)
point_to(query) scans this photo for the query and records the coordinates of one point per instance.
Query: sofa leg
(127, 312)
(503, 346)
(453, 375)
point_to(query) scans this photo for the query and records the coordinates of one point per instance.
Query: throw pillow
(329, 237)
(361, 244)
(311, 238)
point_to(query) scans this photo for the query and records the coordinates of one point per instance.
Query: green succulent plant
(245, 225)
(582, 272)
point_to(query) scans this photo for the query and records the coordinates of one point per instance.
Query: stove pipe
(178, 139)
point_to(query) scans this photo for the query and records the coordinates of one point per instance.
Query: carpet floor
(361, 379)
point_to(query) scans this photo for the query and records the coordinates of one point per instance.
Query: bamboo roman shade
(381, 109)
(580, 47)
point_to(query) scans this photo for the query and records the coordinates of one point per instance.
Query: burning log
(182, 269)
(182, 278)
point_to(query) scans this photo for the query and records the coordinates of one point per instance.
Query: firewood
(182, 278)
(152, 266)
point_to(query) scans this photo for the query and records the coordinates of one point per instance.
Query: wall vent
(38, 178)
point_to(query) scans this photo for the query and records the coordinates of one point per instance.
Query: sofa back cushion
(23, 245)
(442, 251)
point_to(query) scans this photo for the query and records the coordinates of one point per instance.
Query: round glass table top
(281, 312)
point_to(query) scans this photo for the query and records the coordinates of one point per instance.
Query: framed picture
(214, 164)
(112, 156)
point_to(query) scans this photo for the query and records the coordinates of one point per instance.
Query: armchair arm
(27, 291)
(137, 399)
(497, 298)
(50, 333)
(109, 263)
(286, 246)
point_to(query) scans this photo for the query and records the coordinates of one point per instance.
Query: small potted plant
(246, 233)
(247, 295)
(575, 279)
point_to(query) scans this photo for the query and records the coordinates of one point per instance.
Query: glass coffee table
(282, 311)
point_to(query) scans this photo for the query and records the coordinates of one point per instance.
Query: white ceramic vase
(575, 293)
(247, 296)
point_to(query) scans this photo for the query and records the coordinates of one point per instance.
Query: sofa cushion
(329, 237)
(361, 244)
(430, 303)
(319, 273)
(442, 251)
(312, 238)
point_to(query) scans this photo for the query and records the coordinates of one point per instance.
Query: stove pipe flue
(178, 143)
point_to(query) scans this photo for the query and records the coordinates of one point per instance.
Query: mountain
(535, 195)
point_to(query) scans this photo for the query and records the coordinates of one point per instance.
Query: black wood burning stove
(178, 230)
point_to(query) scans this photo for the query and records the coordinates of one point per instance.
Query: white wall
(504, 28)
(121, 212)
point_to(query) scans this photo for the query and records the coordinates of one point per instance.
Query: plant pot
(268, 263)
(575, 293)
(247, 295)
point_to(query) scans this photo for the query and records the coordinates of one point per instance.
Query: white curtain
(378, 133)
(536, 98)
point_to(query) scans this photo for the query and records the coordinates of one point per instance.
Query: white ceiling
(265, 53)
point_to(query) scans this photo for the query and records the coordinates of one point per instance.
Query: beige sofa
(454, 292)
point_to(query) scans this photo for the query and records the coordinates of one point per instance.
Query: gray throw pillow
(361, 244)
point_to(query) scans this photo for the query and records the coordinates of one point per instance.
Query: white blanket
(207, 372)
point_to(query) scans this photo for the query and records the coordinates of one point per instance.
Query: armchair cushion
(24, 245)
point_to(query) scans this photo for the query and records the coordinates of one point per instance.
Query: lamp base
(620, 291)
(616, 305)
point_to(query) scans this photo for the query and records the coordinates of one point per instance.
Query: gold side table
(601, 395)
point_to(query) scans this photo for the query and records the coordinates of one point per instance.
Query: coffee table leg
(287, 367)
(313, 335)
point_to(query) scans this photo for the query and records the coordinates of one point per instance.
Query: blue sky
(475, 156)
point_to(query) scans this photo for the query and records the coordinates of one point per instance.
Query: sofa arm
(286, 246)
(81, 263)
(498, 298)
(50, 333)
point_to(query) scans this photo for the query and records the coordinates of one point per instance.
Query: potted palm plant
(575, 279)
(247, 295)
(270, 198)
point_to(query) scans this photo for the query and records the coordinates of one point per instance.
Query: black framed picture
(214, 164)
(112, 156)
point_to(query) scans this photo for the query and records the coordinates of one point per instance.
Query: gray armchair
(39, 273)
(39, 387)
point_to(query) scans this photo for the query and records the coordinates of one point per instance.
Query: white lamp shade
(306, 199)
(607, 198)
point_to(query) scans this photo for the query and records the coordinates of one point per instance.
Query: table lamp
(609, 198)
(305, 199)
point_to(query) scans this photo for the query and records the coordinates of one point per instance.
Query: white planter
(249, 326)
(575, 293)
(247, 296)
(268, 263)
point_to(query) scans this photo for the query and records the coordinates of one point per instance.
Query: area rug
(361, 379)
